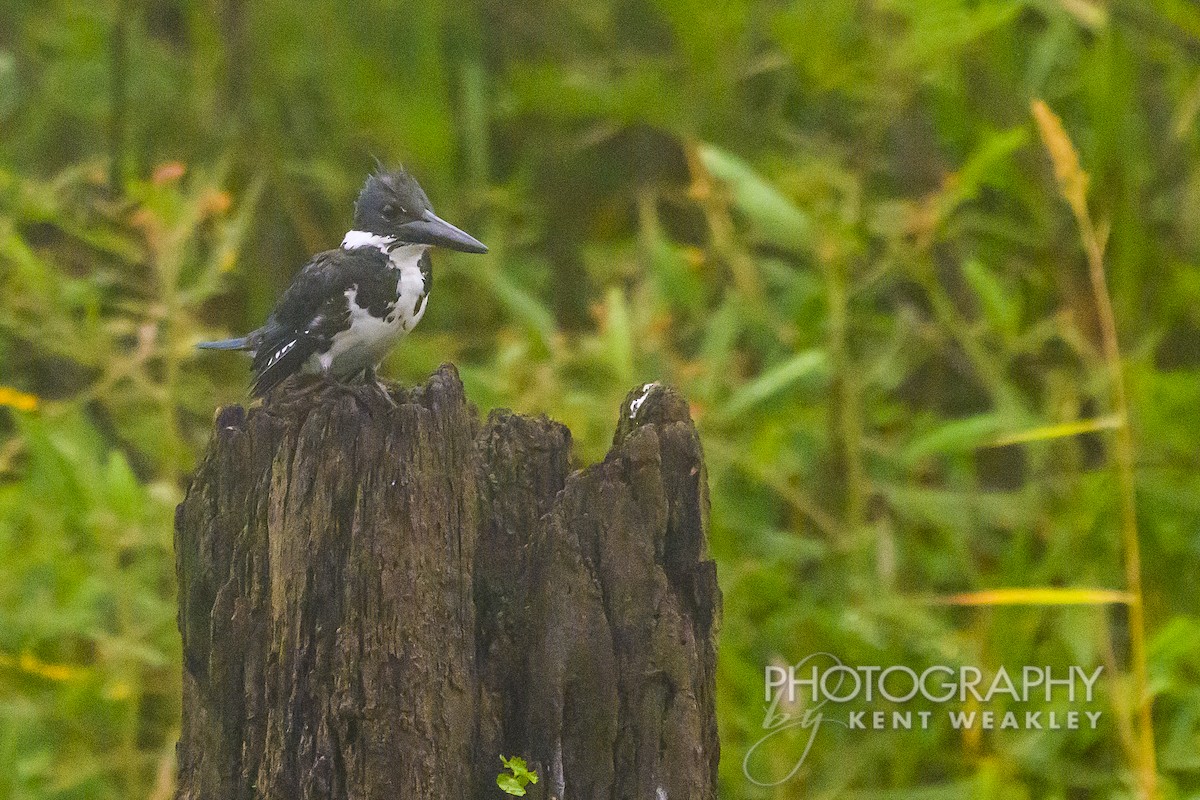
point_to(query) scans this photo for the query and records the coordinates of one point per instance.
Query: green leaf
(522, 306)
(521, 775)
(678, 283)
(983, 166)
(1062, 430)
(1000, 306)
(1037, 596)
(125, 494)
(618, 334)
(717, 349)
(774, 218)
(926, 506)
(520, 769)
(510, 785)
(956, 436)
(809, 364)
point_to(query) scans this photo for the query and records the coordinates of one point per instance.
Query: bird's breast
(372, 330)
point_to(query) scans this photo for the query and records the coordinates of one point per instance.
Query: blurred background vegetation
(832, 224)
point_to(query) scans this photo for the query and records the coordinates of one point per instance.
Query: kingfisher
(347, 308)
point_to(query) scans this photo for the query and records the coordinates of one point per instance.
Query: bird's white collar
(356, 239)
(400, 256)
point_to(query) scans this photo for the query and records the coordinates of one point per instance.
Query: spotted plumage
(347, 308)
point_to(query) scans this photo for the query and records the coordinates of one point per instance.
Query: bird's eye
(392, 211)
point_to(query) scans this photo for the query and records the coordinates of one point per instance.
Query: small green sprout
(515, 782)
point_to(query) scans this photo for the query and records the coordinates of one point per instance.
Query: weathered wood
(378, 602)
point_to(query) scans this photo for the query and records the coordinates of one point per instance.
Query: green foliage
(517, 778)
(831, 225)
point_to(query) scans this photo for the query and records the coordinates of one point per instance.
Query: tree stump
(378, 601)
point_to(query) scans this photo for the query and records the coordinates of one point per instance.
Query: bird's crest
(389, 197)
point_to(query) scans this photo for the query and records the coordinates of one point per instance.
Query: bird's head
(393, 205)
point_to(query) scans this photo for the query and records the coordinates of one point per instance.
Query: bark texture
(378, 602)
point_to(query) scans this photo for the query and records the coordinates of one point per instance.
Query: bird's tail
(240, 343)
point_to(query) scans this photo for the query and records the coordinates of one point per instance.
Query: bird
(348, 307)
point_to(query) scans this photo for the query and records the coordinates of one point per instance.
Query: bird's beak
(432, 229)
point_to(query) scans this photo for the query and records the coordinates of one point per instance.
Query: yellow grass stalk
(1072, 181)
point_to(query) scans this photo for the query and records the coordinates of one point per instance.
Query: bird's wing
(312, 310)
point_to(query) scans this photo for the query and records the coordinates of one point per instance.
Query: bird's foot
(387, 394)
(370, 377)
